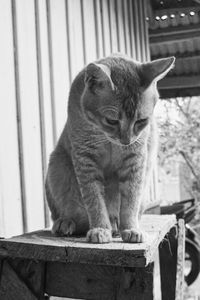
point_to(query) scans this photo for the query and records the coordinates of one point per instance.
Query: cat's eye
(140, 124)
(142, 121)
(111, 122)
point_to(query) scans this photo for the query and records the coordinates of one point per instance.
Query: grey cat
(102, 163)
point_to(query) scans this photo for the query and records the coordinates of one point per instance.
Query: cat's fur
(100, 167)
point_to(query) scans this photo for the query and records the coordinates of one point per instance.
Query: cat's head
(120, 95)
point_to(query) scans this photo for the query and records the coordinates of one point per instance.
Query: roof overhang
(174, 29)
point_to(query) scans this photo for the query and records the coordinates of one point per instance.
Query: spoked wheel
(192, 262)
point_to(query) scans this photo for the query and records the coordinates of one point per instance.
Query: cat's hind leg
(64, 198)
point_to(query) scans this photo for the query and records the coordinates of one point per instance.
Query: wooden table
(37, 264)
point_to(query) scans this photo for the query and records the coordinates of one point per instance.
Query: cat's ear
(97, 76)
(157, 69)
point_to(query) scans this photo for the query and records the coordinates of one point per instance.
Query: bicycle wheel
(192, 262)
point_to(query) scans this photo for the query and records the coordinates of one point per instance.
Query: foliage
(179, 123)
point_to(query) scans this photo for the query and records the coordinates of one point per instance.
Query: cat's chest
(111, 157)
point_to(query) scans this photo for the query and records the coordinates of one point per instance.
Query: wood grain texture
(180, 260)
(42, 245)
(168, 263)
(32, 273)
(12, 287)
(99, 282)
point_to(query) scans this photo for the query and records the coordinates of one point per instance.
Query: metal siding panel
(146, 33)
(89, 31)
(106, 27)
(121, 33)
(44, 91)
(126, 28)
(30, 115)
(61, 75)
(113, 26)
(74, 18)
(141, 30)
(98, 29)
(131, 28)
(137, 30)
(10, 192)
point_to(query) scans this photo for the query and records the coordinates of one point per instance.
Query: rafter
(172, 34)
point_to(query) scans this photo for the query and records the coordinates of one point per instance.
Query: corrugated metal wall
(43, 46)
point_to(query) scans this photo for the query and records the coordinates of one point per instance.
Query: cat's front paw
(99, 235)
(134, 236)
(64, 227)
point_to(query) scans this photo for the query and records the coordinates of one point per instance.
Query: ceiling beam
(176, 10)
(180, 57)
(180, 82)
(173, 93)
(172, 34)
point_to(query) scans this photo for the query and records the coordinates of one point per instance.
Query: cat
(102, 162)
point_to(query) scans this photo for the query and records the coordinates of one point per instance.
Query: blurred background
(44, 44)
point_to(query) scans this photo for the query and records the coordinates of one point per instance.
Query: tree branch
(188, 162)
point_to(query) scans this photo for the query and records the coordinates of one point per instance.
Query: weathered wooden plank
(42, 245)
(168, 263)
(180, 260)
(12, 287)
(99, 282)
(32, 273)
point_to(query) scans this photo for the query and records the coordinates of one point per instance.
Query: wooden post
(22, 279)
(168, 262)
(180, 260)
(172, 256)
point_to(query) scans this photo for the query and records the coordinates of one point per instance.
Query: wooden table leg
(21, 279)
(168, 263)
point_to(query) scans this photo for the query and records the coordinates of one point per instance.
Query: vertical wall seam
(147, 46)
(68, 41)
(129, 24)
(110, 26)
(51, 72)
(117, 25)
(19, 124)
(141, 30)
(136, 30)
(102, 28)
(83, 32)
(97, 32)
(124, 26)
(41, 109)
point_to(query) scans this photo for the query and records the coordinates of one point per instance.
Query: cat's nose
(125, 140)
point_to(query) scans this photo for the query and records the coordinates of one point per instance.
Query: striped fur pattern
(100, 167)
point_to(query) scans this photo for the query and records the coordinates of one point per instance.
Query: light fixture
(164, 17)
